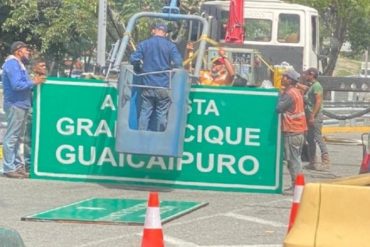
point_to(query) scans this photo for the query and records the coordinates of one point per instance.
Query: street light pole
(102, 27)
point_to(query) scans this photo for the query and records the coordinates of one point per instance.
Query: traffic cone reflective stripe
(298, 190)
(153, 235)
(151, 219)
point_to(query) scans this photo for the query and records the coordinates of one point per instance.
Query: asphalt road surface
(230, 219)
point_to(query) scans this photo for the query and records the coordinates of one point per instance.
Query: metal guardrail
(346, 104)
(347, 84)
(342, 111)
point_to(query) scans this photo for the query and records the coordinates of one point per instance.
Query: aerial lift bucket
(130, 139)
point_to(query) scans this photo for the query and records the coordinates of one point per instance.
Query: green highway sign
(232, 139)
(114, 211)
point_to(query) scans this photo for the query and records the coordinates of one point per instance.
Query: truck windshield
(288, 28)
(258, 30)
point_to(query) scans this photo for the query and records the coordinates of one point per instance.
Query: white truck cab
(282, 32)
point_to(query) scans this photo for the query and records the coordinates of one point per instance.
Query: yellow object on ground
(333, 214)
(358, 180)
(345, 129)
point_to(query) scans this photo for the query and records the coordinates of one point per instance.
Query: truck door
(312, 36)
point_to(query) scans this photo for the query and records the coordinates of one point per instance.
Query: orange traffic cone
(152, 235)
(298, 189)
(365, 164)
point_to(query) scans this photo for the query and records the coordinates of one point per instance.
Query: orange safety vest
(294, 120)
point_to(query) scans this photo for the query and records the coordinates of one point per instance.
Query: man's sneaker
(13, 175)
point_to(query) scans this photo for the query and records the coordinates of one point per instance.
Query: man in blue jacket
(156, 54)
(17, 90)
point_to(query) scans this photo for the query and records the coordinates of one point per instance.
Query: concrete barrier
(333, 214)
(358, 180)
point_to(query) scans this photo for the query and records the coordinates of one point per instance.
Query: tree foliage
(64, 29)
(61, 29)
(341, 21)
(57, 29)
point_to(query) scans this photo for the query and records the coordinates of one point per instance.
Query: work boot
(310, 166)
(23, 172)
(316, 167)
(325, 161)
(13, 175)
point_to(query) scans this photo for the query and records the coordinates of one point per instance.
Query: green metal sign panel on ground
(232, 139)
(115, 211)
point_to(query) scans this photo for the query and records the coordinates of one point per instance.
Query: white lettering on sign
(137, 164)
(103, 129)
(90, 159)
(253, 161)
(187, 159)
(84, 125)
(223, 135)
(247, 165)
(66, 155)
(67, 126)
(108, 103)
(226, 163)
(107, 157)
(204, 107)
(221, 163)
(250, 135)
(156, 161)
(64, 126)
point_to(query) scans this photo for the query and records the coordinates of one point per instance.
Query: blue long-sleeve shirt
(17, 85)
(157, 54)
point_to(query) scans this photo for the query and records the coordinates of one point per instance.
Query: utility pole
(102, 27)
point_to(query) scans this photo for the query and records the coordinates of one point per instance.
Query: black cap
(16, 46)
(311, 71)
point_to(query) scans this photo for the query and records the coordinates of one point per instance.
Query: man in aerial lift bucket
(156, 54)
(221, 73)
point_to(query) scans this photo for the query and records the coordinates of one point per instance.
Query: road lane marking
(179, 242)
(255, 220)
(194, 220)
(102, 241)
